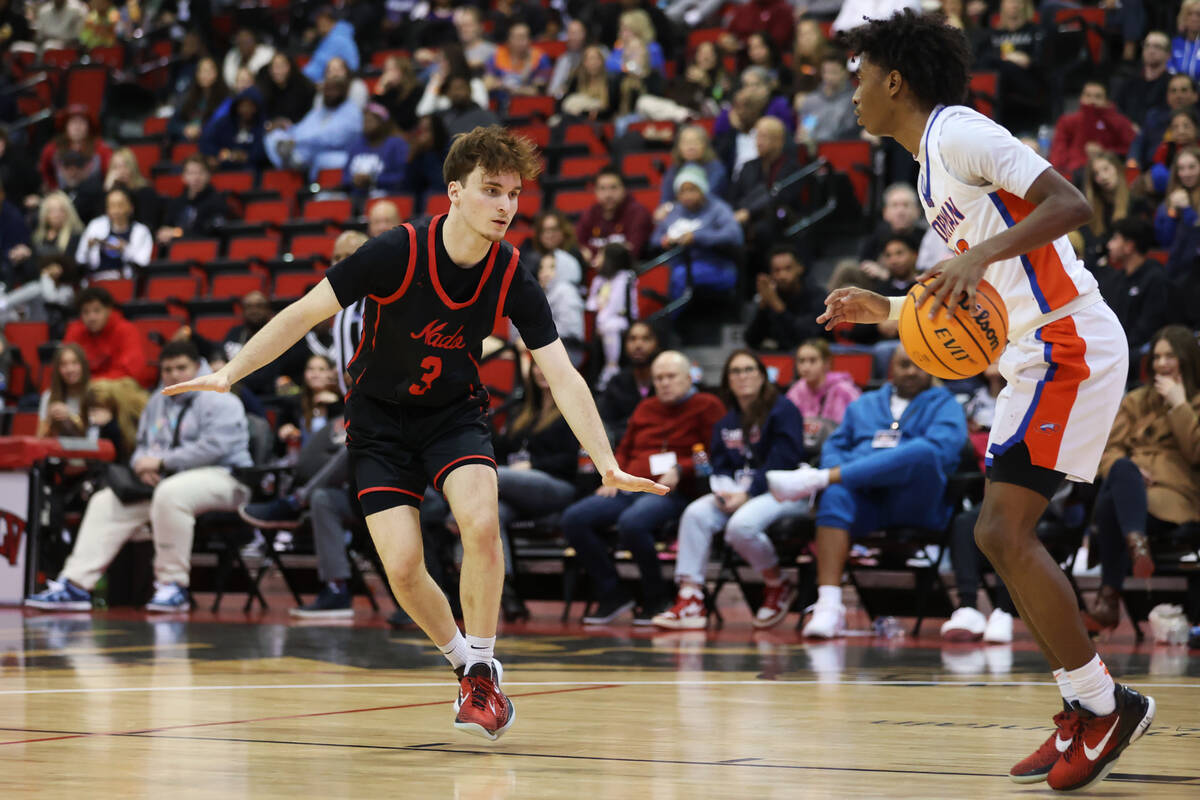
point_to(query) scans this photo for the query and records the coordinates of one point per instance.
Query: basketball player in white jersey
(1004, 214)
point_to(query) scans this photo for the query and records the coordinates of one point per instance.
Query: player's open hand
(955, 276)
(214, 382)
(852, 304)
(616, 479)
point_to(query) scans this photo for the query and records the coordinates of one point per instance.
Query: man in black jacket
(762, 214)
(196, 212)
(1135, 287)
(788, 306)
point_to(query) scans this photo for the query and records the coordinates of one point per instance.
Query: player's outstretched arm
(284, 330)
(574, 399)
(852, 304)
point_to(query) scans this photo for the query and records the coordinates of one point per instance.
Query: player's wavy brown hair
(493, 149)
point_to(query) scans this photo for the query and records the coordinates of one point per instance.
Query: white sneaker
(688, 613)
(796, 484)
(964, 625)
(999, 627)
(828, 621)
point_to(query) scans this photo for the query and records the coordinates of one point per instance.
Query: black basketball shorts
(396, 451)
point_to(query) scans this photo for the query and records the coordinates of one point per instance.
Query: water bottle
(1044, 135)
(702, 467)
(585, 465)
(888, 628)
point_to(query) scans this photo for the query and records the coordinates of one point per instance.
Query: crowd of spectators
(359, 102)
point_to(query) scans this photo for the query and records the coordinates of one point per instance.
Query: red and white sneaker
(483, 710)
(1038, 765)
(777, 601)
(1099, 741)
(688, 613)
(460, 673)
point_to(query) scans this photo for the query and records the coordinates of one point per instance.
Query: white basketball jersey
(972, 184)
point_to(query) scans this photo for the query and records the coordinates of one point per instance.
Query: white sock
(829, 595)
(1094, 686)
(1064, 686)
(480, 650)
(455, 650)
(688, 590)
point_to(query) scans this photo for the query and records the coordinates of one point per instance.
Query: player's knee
(993, 537)
(405, 569)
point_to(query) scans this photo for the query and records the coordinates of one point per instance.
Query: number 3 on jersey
(433, 367)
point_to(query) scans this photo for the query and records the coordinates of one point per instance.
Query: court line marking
(142, 731)
(436, 747)
(444, 683)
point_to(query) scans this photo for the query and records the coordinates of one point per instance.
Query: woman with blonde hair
(635, 24)
(56, 234)
(807, 55)
(124, 171)
(1110, 197)
(590, 91)
(114, 408)
(1185, 48)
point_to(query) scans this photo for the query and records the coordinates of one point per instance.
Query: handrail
(801, 174)
(803, 224)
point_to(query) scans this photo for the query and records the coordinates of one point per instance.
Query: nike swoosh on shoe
(1062, 745)
(1093, 753)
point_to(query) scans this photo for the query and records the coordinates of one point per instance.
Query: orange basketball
(954, 346)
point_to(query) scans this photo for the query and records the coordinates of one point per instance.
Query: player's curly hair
(932, 56)
(493, 149)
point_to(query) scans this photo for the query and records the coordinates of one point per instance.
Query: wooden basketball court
(116, 704)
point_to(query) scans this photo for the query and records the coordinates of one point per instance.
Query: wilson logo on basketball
(14, 529)
(434, 337)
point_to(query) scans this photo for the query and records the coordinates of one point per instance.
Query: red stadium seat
(437, 204)
(164, 287)
(552, 47)
(181, 151)
(295, 284)
(983, 91)
(574, 203)
(270, 211)
(653, 290)
(285, 181)
(539, 133)
(24, 423)
(647, 197)
(25, 337)
(60, 58)
(499, 375)
(587, 134)
(260, 248)
(155, 126)
(582, 166)
(170, 185)
(405, 204)
(650, 166)
(194, 249)
(335, 211)
(214, 328)
(112, 57)
(531, 105)
(313, 246)
(783, 364)
(147, 154)
(530, 203)
(329, 178)
(859, 365)
(121, 289)
(853, 158)
(235, 181)
(235, 284)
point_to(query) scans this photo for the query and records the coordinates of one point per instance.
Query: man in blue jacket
(886, 464)
(336, 40)
(705, 224)
(323, 138)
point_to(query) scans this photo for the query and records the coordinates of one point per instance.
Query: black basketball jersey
(425, 317)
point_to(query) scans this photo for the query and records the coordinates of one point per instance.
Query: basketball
(959, 345)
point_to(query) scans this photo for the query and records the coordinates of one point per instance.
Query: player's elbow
(1078, 210)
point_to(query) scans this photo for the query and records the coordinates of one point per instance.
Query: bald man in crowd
(763, 217)
(382, 217)
(658, 440)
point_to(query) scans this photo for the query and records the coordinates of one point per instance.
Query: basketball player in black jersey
(416, 409)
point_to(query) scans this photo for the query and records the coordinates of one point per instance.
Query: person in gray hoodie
(706, 225)
(186, 448)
